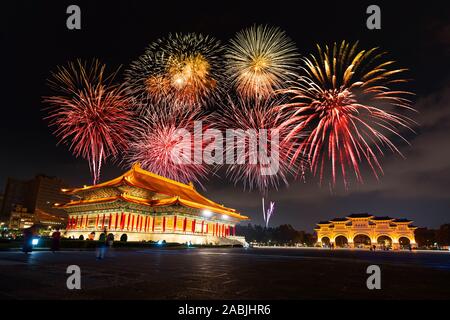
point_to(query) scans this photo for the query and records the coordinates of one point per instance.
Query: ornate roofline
(370, 218)
(186, 196)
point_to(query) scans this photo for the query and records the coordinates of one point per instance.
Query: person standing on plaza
(56, 241)
(28, 235)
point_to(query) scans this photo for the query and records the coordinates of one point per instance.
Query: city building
(21, 218)
(365, 230)
(32, 201)
(142, 206)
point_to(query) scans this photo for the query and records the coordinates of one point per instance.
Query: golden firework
(260, 59)
(184, 70)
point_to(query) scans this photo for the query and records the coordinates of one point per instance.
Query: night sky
(34, 40)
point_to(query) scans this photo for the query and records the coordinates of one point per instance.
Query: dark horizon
(36, 40)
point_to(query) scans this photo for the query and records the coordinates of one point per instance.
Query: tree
(425, 237)
(443, 235)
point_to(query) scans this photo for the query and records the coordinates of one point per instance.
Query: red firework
(348, 110)
(164, 144)
(256, 135)
(90, 115)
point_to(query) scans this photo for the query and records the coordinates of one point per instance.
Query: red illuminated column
(193, 226)
(103, 222)
(75, 224)
(207, 228)
(203, 224)
(110, 221)
(153, 224)
(128, 222)
(174, 223)
(138, 223)
(184, 224)
(164, 224)
(122, 221)
(234, 231)
(132, 222)
(145, 223)
(115, 222)
(217, 229)
(96, 221)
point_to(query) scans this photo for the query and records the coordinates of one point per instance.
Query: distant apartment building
(32, 201)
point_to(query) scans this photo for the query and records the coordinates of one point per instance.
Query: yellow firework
(259, 60)
(184, 70)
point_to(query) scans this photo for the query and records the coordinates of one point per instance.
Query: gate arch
(362, 240)
(341, 241)
(325, 241)
(404, 242)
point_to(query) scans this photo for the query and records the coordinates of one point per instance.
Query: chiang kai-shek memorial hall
(145, 206)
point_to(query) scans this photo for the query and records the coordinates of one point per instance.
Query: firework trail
(181, 70)
(257, 137)
(163, 144)
(268, 214)
(90, 115)
(259, 60)
(347, 106)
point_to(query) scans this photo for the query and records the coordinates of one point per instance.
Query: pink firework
(92, 116)
(347, 107)
(258, 154)
(164, 144)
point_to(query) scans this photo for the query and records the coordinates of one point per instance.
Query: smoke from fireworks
(259, 151)
(260, 59)
(347, 106)
(89, 114)
(161, 146)
(182, 70)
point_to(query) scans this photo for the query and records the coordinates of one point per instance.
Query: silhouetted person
(102, 245)
(28, 235)
(56, 240)
(110, 240)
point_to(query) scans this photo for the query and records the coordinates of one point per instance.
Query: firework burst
(161, 146)
(91, 115)
(258, 144)
(260, 59)
(183, 70)
(347, 105)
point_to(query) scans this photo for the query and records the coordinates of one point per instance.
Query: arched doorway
(361, 241)
(384, 242)
(404, 242)
(325, 242)
(341, 242)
